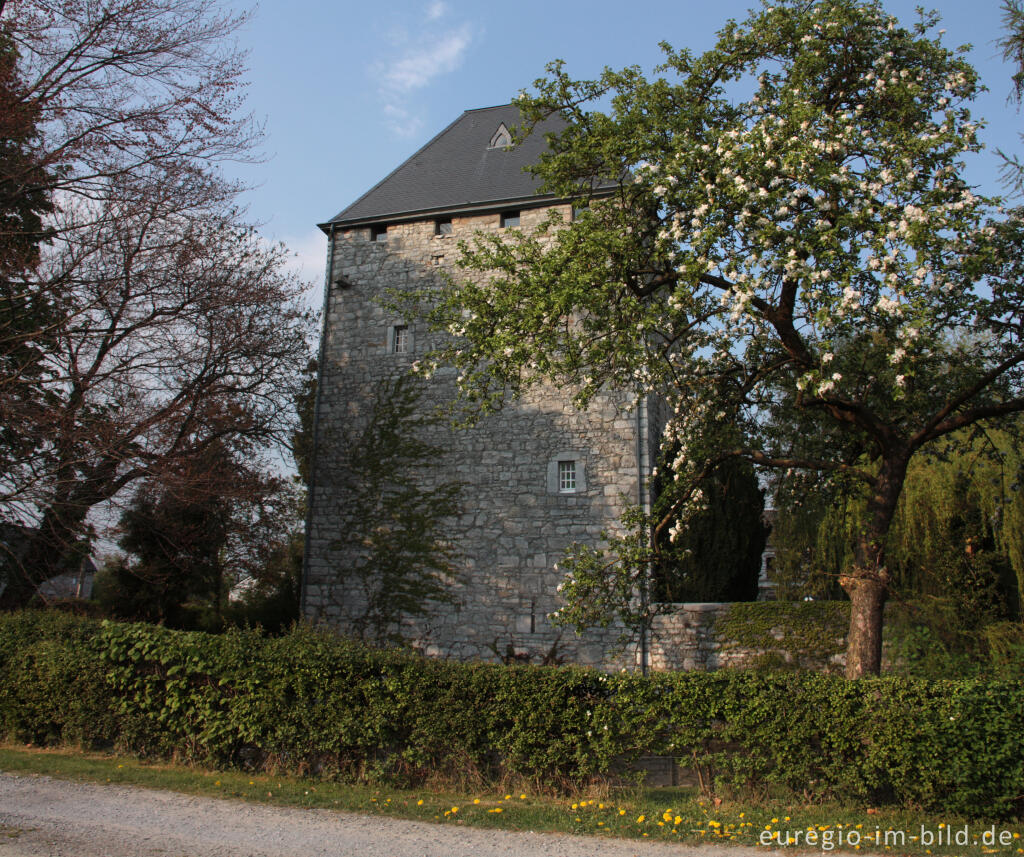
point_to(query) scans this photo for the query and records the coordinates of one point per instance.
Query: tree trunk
(864, 644)
(868, 583)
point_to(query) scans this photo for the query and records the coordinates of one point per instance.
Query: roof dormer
(502, 138)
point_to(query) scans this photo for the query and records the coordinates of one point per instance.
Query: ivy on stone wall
(797, 634)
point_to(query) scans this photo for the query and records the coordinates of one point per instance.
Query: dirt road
(44, 816)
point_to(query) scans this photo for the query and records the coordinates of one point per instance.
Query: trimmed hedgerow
(310, 702)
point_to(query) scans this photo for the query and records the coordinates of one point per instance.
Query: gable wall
(513, 528)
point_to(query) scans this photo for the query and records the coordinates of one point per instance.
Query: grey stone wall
(513, 528)
(684, 638)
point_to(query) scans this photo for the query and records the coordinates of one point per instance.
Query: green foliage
(392, 557)
(273, 600)
(802, 634)
(718, 556)
(931, 637)
(956, 534)
(308, 701)
(53, 685)
(177, 533)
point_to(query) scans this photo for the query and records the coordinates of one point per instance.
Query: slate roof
(457, 171)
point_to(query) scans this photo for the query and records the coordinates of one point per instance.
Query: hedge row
(310, 702)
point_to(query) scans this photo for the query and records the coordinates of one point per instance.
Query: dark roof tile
(457, 170)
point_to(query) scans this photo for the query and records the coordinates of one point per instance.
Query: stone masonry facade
(516, 522)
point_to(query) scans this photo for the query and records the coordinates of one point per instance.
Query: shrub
(311, 702)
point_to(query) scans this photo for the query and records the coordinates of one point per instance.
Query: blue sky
(348, 90)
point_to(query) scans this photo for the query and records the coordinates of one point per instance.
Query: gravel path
(56, 818)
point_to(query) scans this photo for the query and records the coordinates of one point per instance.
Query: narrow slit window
(400, 339)
(566, 476)
(509, 219)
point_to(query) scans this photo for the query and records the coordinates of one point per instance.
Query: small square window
(400, 339)
(379, 233)
(577, 211)
(443, 226)
(566, 476)
(509, 219)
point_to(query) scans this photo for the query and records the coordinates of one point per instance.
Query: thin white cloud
(415, 63)
(403, 121)
(417, 69)
(436, 10)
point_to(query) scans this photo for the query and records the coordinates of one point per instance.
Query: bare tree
(169, 324)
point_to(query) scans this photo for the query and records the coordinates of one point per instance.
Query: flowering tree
(792, 256)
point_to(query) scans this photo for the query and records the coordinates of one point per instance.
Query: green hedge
(309, 702)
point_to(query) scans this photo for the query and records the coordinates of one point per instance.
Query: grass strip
(663, 814)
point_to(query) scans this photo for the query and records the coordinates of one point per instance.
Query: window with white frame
(567, 473)
(400, 340)
(566, 477)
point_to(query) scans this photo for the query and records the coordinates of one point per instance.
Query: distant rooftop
(469, 165)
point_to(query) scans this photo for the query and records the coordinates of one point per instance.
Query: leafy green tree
(272, 598)
(791, 252)
(174, 532)
(717, 557)
(956, 534)
(195, 533)
(393, 560)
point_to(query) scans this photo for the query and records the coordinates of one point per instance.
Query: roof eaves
(485, 207)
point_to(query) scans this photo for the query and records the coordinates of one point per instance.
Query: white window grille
(566, 476)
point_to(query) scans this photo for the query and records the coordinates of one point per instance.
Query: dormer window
(379, 232)
(510, 219)
(502, 138)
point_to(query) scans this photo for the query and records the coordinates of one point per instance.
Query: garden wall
(807, 634)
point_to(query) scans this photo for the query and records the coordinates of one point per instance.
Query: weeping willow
(958, 532)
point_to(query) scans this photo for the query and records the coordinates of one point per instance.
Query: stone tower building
(538, 476)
